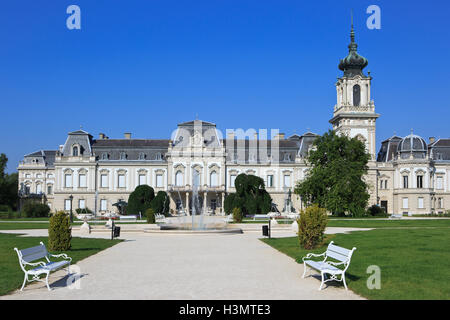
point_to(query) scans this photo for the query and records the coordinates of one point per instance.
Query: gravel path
(155, 266)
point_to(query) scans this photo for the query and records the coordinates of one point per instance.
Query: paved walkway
(154, 266)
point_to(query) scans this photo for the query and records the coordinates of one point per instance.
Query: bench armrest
(63, 255)
(309, 255)
(40, 263)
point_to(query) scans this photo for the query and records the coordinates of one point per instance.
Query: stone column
(187, 204)
(222, 204)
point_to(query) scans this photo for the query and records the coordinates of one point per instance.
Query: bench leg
(304, 270)
(323, 280)
(343, 280)
(24, 281)
(46, 281)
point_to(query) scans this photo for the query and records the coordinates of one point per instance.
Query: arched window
(75, 151)
(213, 179)
(141, 156)
(179, 179)
(123, 156)
(356, 95)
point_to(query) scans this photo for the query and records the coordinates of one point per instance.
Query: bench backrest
(32, 254)
(339, 253)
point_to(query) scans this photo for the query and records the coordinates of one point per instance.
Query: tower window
(356, 95)
(75, 151)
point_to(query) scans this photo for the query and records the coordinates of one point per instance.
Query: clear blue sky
(144, 66)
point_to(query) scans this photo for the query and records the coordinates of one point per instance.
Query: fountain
(197, 222)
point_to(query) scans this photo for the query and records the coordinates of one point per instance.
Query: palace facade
(408, 175)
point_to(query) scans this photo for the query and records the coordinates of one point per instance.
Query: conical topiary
(59, 232)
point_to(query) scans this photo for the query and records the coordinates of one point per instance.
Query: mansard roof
(46, 155)
(388, 150)
(130, 143)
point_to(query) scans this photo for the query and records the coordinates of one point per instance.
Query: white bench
(129, 218)
(261, 216)
(228, 218)
(26, 256)
(160, 217)
(341, 255)
(396, 216)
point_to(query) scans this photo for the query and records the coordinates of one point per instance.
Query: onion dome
(412, 144)
(353, 63)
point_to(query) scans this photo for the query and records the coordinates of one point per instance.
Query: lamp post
(71, 214)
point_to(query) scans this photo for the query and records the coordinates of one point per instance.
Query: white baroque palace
(408, 175)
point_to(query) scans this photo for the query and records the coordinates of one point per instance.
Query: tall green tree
(140, 199)
(335, 180)
(8, 185)
(251, 196)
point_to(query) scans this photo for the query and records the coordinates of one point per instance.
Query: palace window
(121, 181)
(270, 181)
(356, 95)
(287, 180)
(419, 182)
(103, 205)
(67, 204)
(141, 179)
(439, 183)
(159, 180)
(213, 179)
(141, 156)
(404, 203)
(104, 181)
(420, 203)
(123, 156)
(232, 180)
(68, 180)
(104, 156)
(82, 178)
(158, 156)
(179, 179)
(27, 176)
(38, 188)
(440, 203)
(49, 189)
(405, 182)
(82, 204)
(75, 151)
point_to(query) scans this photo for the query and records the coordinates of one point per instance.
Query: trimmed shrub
(150, 213)
(35, 210)
(59, 232)
(81, 211)
(311, 226)
(161, 203)
(376, 211)
(237, 215)
(140, 200)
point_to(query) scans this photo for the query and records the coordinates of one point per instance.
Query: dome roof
(412, 143)
(353, 63)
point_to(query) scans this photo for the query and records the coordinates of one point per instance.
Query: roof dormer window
(75, 151)
(141, 156)
(123, 156)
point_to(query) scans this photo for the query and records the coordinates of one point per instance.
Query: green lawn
(389, 223)
(414, 263)
(11, 276)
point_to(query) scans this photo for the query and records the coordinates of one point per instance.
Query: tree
(160, 203)
(8, 185)
(251, 196)
(335, 180)
(140, 199)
